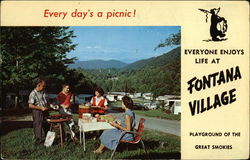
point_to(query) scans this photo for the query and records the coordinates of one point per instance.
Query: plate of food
(106, 118)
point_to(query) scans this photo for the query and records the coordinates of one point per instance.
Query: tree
(31, 52)
(79, 81)
(173, 39)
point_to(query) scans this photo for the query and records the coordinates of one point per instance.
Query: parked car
(138, 106)
(150, 105)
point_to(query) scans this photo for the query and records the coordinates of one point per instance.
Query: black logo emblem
(218, 26)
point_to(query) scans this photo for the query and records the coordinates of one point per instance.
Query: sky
(124, 43)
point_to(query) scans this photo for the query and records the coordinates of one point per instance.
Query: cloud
(92, 47)
(97, 47)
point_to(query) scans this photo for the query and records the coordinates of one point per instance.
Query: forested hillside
(154, 61)
(159, 75)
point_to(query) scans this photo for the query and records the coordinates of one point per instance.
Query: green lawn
(18, 144)
(158, 114)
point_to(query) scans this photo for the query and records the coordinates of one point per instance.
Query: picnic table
(91, 126)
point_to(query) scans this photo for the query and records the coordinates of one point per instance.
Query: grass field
(18, 144)
(158, 114)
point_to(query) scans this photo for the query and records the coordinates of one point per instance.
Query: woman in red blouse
(99, 104)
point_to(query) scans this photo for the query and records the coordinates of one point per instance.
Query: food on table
(107, 118)
(86, 117)
(97, 116)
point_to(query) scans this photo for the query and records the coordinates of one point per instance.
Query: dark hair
(65, 84)
(39, 80)
(100, 90)
(128, 102)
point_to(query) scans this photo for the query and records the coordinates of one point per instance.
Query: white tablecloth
(91, 126)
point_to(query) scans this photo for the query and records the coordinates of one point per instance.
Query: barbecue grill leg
(61, 133)
(51, 127)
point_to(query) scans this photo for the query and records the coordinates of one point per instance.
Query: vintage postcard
(125, 79)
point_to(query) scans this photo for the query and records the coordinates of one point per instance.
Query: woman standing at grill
(98, 103)
(110, 138)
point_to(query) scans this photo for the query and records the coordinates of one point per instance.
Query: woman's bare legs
(100, 149)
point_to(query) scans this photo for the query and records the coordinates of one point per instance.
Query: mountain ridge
(98, 64)
(154, 61)
(150, 62)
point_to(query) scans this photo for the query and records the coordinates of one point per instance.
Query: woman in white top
(99, 104)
